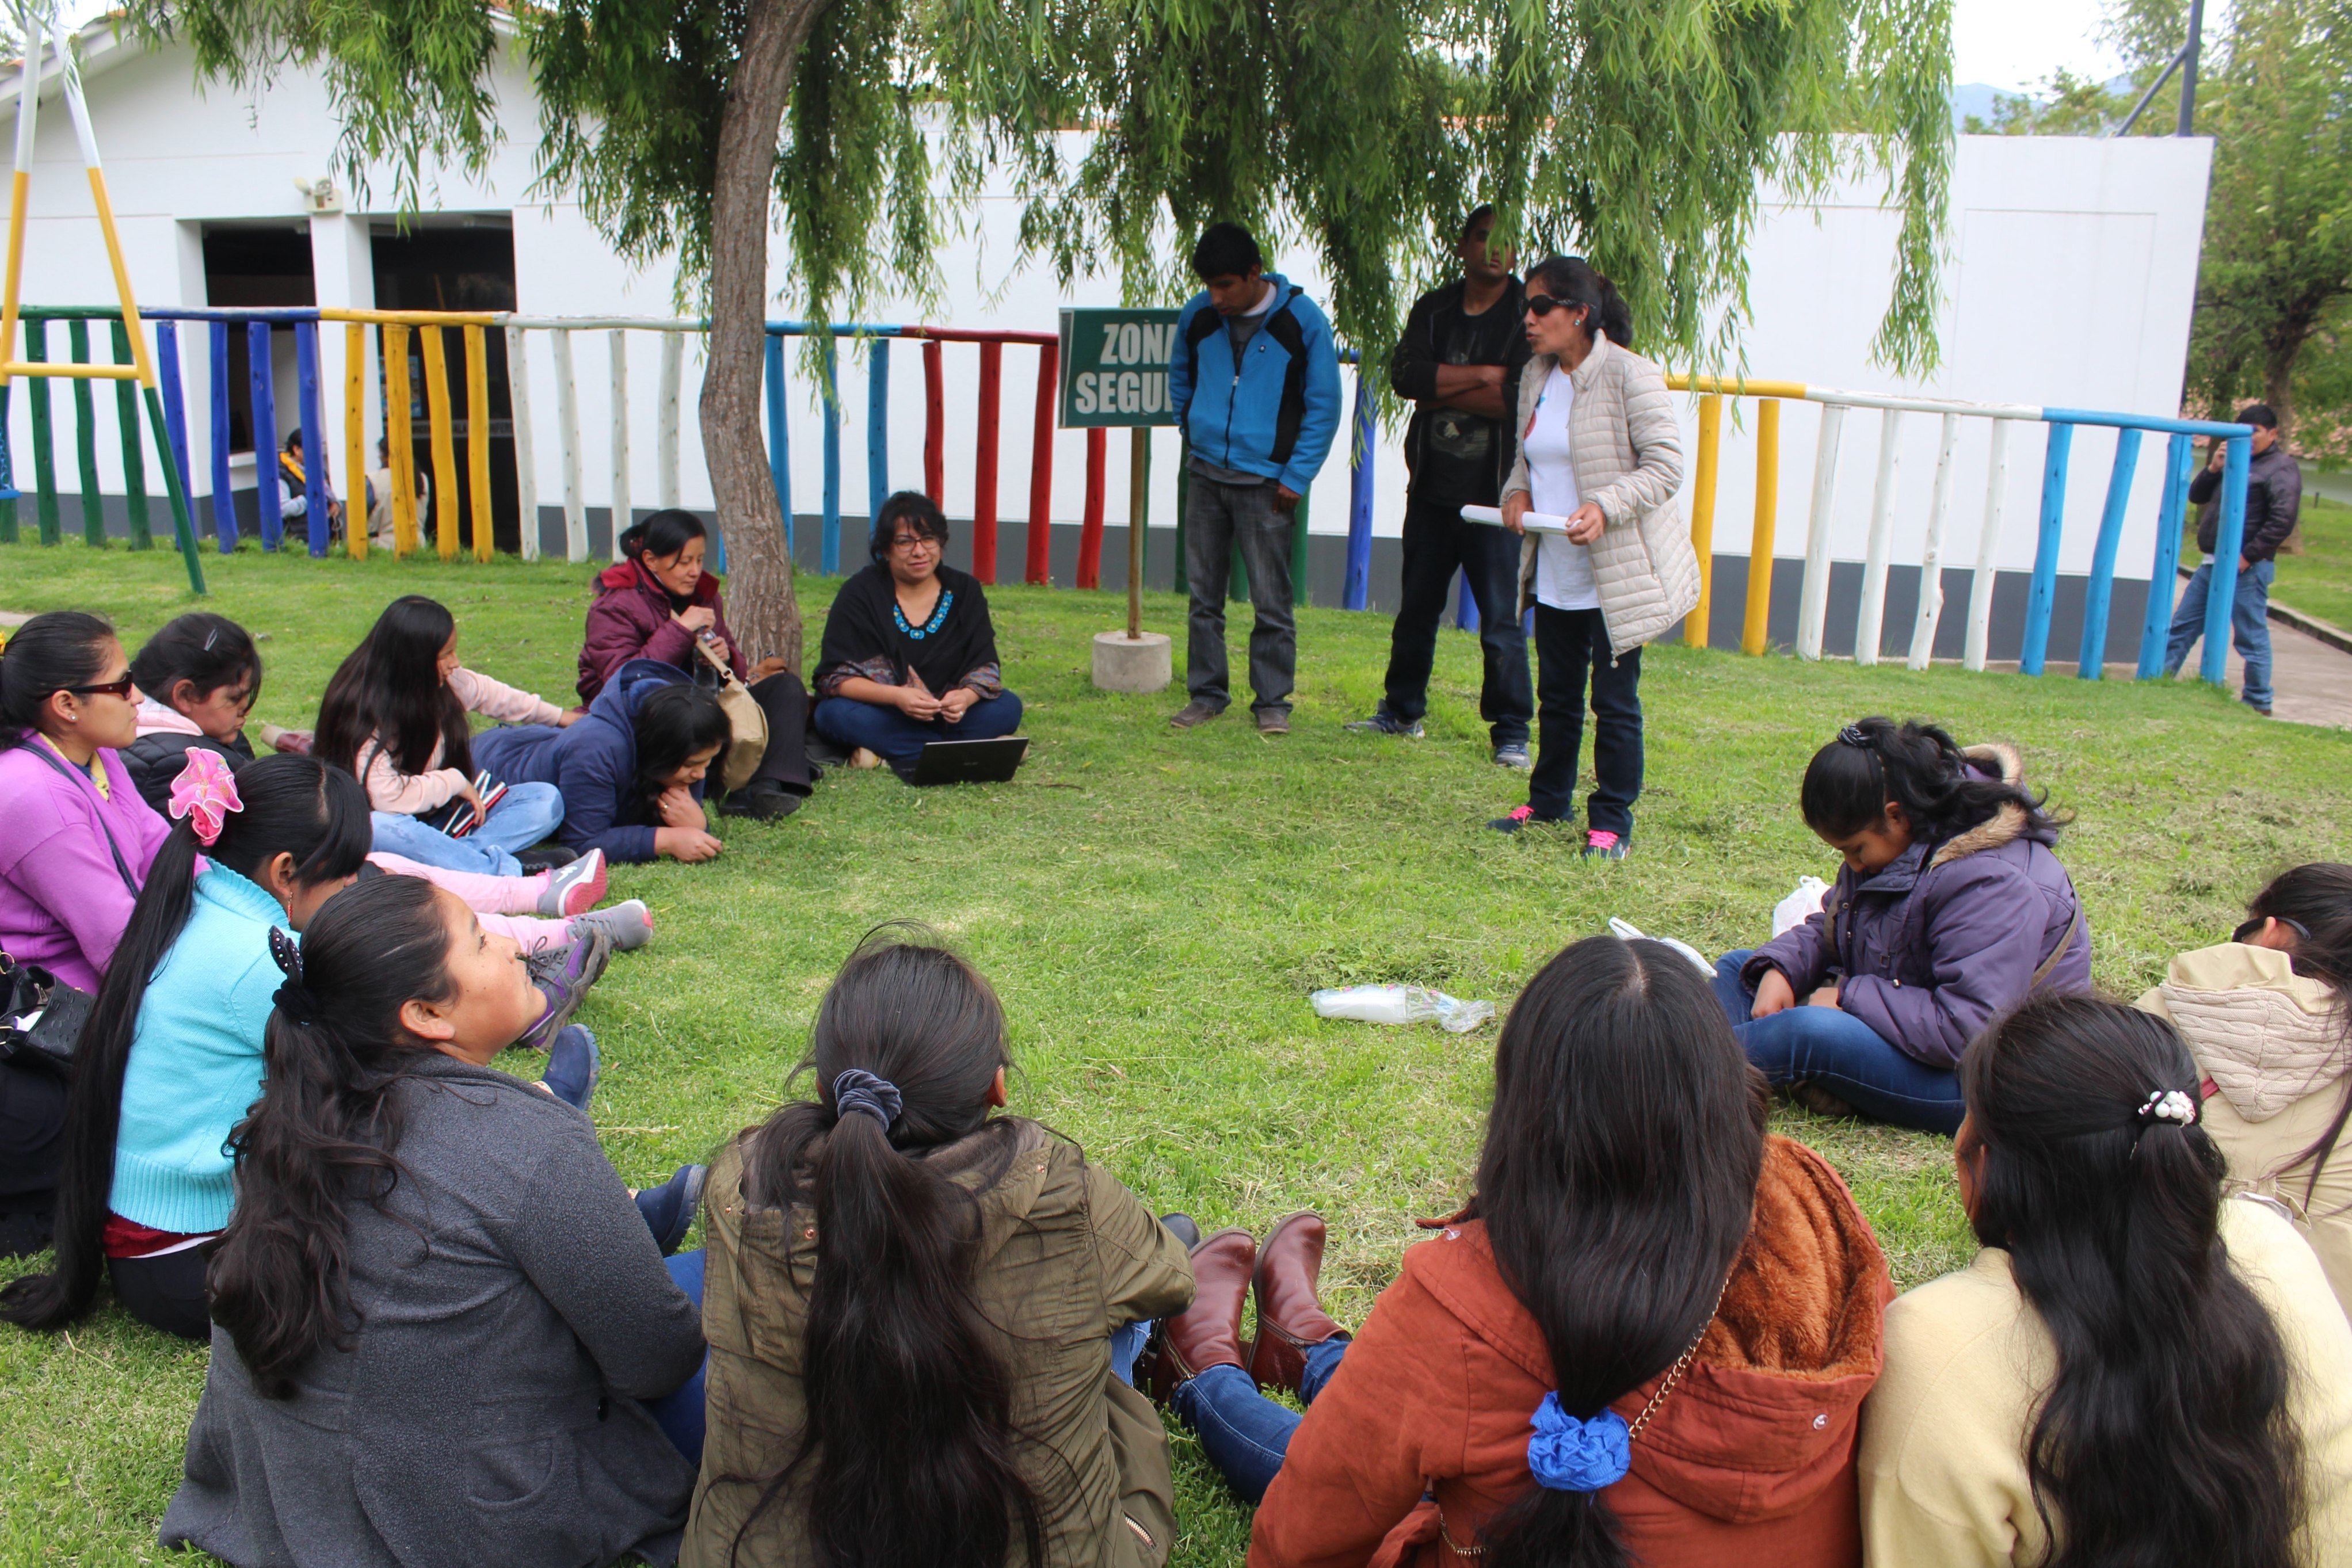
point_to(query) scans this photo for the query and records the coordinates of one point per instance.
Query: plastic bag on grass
(1800, 906)
(1400, 1004)
(1626, 931)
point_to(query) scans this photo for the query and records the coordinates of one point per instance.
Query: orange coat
(1422, 1434)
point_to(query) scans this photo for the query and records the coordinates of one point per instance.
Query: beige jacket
(1626, 446)
(2274, 1044)
(406, 794)
(1944, 1482)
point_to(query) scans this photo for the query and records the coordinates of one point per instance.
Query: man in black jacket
(2274, 499)
(1459, 361)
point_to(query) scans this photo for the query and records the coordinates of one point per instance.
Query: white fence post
(526, 461)
(1988, 550)
(1931, 556)
(1812, 608)
(673, 370)
(1871, 620)
(624, 509)
(567, 422)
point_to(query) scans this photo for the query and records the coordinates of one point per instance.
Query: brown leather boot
(1289, 1319)
(1208, 1333)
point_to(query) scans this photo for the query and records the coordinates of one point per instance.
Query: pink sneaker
(1599, 845)
(1519, 818)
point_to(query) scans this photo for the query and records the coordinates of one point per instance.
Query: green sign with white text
(1115, 367)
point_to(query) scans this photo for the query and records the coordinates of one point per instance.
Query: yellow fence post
(1710, 438)
(1759, 545)
(478, 435)
(355, 496)
(400, 438)
(444, 450)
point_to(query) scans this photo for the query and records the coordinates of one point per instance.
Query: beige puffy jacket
(2272, 1044)
(1626, 446)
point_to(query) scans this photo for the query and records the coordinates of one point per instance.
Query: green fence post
(134, 462)
(1298, 547)
(85, 400)
(45, 461)
(184, 525)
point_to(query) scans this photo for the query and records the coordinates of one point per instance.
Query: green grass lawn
(2319, 580)
(1154, 907)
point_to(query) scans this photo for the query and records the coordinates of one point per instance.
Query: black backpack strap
(40, 748)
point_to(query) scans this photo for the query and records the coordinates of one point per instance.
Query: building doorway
(457, 262)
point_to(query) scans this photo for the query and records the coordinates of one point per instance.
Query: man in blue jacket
(1255, 387)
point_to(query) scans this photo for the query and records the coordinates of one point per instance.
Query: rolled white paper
(1534, 522)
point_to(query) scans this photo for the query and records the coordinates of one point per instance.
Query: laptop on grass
(970, 761)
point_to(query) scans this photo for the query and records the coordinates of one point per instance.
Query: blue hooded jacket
(593, 762)
(1275, 415)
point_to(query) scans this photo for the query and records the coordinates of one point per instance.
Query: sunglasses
(120, 688)
(1544, 305)
(2255, 924)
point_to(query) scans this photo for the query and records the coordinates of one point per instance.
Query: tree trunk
(2278, 379)
(762, 609)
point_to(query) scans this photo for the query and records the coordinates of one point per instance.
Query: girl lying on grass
(439, 1317)
(2136, 1369)
(1949, 909)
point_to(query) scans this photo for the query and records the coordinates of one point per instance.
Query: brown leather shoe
(1192, 715)
(1289, 1319)
(1208, 1333)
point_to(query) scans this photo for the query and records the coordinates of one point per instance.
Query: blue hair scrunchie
(1570, 1455)
(857, 1090)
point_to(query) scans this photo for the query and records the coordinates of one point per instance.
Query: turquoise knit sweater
(195, 1058)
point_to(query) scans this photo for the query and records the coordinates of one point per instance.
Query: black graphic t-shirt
(1457, 457)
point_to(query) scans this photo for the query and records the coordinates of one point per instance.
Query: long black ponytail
(1618, 1185)
(322, 1134)
(292, 805)
(2166, 1435)
(908, 1453)
(387, 693)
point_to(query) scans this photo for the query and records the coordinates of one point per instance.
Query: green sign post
(1114, 372)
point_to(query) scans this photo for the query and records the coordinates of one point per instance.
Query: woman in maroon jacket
(656, 602)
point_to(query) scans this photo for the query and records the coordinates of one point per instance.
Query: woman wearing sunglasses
(1599, 445)
(76, 841)
(2265, 1016)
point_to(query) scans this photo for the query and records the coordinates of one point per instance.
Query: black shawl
(863, 634)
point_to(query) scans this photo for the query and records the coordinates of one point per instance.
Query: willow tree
(1644, 135)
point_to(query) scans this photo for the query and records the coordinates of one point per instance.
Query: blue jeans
(528, 814)
(898, 740)
(1845, 1056)
(2250, 626)
(1244, 1433)
(1570, 644)
(679, 1412)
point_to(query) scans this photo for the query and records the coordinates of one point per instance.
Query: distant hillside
(1972, 98)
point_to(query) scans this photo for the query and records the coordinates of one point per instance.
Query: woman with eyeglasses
(910, 654)
(1599, 445)
(2265, 1016)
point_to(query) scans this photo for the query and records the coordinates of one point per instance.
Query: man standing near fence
(1255, 389)
(2273, 500)
(1459, 361)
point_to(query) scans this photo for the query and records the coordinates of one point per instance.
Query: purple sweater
(63, 903)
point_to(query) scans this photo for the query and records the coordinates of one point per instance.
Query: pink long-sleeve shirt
(63, 902)
(390, 789)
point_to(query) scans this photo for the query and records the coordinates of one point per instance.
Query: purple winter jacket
(1931, 948)
(631, 618)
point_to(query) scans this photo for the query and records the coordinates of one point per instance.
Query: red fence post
(935, 426)
(1040, 466)
(983, 478)
(1090, 531)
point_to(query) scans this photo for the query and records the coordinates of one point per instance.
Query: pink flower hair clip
(204, 793)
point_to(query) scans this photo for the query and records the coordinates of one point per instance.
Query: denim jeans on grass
(679, 1412)
(1244, 1433)
(528, 814)
(1436, 542)
(898, 740)
(1845, 1056)
(2250, 626)
(1570, 643)
(1217, 517)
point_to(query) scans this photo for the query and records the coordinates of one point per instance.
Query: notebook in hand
(459, 817)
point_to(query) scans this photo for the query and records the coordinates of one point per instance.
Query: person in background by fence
(1599, 445)
(1949, 910)
(381, 532)
(2135, 1369)
(395, 715)
(658, 602)
(1255, 384)
(909, 652)
(2273, 502)
(1459, 361)
(294, 489)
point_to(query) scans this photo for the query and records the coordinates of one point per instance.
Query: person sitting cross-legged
(910, 654)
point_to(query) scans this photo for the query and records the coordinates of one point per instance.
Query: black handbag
(41, 1017)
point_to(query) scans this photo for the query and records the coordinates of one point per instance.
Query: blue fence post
(2163, 577)
(223, 504)
(314, 440)
(780, 436)
(2221, 589)
(1357, 591)
(2092, 664)
(878, 424)
(265, 438)
(175, 399)
(829, 554)
(2044, 592)
(1465, 605)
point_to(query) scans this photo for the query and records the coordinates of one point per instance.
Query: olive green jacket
(1066, 1256)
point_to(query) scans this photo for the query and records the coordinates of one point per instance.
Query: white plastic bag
(1626, 931)
(1400, 1004)
(1800, 906)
